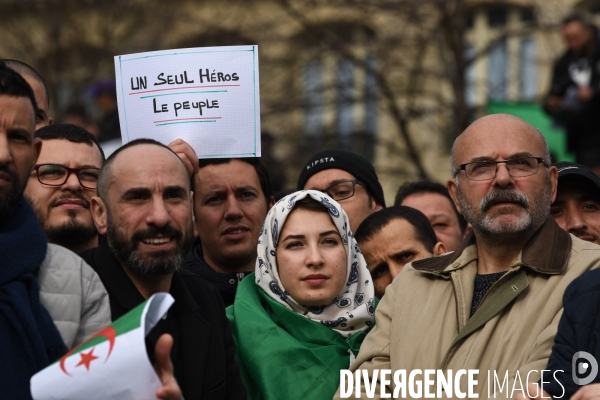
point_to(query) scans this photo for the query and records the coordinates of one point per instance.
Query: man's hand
(164, 369)
(187, 155)
(553, 102)
(588, 392)
(585, 93)
(534, 389)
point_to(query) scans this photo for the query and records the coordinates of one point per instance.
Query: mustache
(584, 232)
(503, 196)
(71, 195)
(154, 231)
(13, 174)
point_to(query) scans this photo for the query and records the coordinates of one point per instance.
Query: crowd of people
(492, 272)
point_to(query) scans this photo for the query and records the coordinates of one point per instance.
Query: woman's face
(311, 258)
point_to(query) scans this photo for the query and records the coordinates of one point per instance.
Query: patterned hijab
(353, 309)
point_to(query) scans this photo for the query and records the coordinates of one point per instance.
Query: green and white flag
(112, 364)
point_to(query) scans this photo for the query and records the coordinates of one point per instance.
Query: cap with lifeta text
(573, 170)
(350, 162)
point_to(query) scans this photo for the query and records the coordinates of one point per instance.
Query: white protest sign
(207, 96)
(112, 364)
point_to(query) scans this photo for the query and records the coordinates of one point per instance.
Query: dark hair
(578, 17)
(26, 69)
(261, 171)
(70, 132)
(410, 188)
(13, 84)
(106, 171)
(377, 221)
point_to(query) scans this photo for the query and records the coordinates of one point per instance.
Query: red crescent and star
(86, 358)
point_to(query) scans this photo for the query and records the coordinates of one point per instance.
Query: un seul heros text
(204, 76)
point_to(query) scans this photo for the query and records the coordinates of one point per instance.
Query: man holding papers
(145, 210)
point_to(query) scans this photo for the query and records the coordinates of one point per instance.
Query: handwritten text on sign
(207, 96)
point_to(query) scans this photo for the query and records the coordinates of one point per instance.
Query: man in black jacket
(574, 96)
(145, 210)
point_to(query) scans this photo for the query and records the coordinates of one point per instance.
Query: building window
(344, 121)
(498, 71)
(371, 96)
(314, 94)
(470, 78)
(497, 17)
(527, 70)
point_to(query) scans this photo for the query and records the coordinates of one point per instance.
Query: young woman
(302, 316)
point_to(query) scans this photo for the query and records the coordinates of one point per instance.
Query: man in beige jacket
(494, 304)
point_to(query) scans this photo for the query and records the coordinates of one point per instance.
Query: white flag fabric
(112, 364)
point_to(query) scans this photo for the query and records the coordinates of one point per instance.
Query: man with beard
(62, 184)
(494, 304)
(144, 207)
(577, 205)
(49, 297)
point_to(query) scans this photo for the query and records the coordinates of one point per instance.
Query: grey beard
(494, 233)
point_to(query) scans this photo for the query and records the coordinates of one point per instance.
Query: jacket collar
(547, 252)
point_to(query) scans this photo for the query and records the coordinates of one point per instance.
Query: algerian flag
(112, 364)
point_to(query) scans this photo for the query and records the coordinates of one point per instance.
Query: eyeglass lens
(516, 167)
(341, 191)
(58, 175)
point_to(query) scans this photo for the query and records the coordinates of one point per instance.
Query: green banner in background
(535, 115)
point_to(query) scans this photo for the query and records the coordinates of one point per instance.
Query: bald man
(494, 304)
(40, 91)
(144, 207)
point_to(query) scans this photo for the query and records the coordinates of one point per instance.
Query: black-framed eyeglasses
(486, 170)
(342, 190)
(57, 175)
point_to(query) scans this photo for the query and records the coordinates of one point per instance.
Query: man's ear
(553, 178)
(37, 148)
(453, 191)
(375, 204)
(193, 215)
(439, 249)
(99, 214)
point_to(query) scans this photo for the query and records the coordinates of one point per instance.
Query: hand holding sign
(187, 155)
(207, 96)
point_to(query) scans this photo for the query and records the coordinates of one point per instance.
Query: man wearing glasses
(349, 179)
(494, 304)
(62, 183)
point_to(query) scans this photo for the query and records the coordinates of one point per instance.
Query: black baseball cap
(569, 170)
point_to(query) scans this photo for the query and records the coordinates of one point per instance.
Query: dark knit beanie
(357, 165)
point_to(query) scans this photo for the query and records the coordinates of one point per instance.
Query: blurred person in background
(104, 93)
(40, 90)
(76, 114)
(433, 200)
(574, 96)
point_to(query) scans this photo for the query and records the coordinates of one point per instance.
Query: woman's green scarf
(283, 355)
